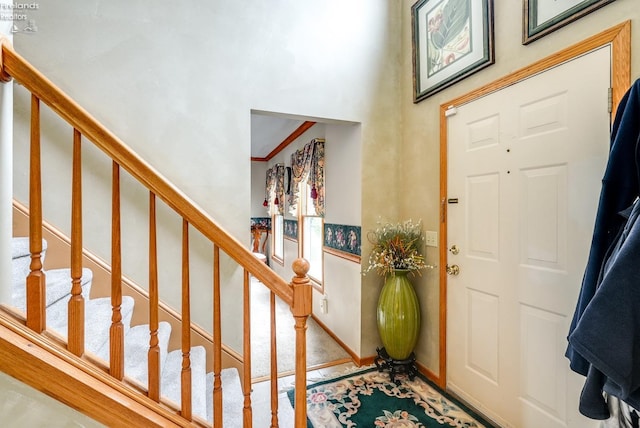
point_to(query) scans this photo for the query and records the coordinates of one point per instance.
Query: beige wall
(420, 132)
(178, 85)
(24, 406)
(178, 82)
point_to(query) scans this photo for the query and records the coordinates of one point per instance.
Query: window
(278, 237)
(306, 202)
(312, 235)
(312, 246)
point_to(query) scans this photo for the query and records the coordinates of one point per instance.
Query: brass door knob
(453, 270)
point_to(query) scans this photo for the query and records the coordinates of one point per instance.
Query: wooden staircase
(63, 368)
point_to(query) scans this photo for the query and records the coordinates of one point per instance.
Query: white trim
(6, 186)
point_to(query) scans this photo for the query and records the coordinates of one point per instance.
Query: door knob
(453, 270)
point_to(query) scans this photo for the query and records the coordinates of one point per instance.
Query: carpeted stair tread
(21, 259)
(98, 313)
(97, 320)
(232, 397)
(136, 349)
(20, 247)
(171, 375)
(58, 286)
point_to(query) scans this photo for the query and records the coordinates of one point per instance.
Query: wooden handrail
(42, 88)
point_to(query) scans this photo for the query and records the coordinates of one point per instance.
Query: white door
(525, 165)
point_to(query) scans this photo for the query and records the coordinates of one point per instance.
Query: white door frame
(619, 37)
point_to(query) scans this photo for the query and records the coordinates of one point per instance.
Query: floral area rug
(369, 399)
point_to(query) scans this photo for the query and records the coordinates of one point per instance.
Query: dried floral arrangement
(397, 246)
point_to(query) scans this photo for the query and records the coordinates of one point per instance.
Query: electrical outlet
(324, 305)
(431, 238)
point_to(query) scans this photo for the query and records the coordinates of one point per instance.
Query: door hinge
(610, 100)
(450, 111)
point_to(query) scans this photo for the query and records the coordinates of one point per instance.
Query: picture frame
(290, 229)
(451, 39)
(541, 17)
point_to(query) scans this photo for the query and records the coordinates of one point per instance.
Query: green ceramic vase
(398, 315)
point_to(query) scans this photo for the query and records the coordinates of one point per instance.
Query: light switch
(431, 238)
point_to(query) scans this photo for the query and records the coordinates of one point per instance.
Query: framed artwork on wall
(291, 229)
(452, 39)
(541, 17)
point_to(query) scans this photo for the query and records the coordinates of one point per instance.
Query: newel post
(301, 309)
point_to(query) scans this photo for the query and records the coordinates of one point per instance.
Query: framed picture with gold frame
(541, 17)
(452, 39)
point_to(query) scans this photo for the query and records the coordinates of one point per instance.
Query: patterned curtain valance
(308, 163)
(316, 177)
(279, 201)
(270, 182)
(275, 185)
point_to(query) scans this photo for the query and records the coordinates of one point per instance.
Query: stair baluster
(154, 349)
(274, 362)
(186, 326)
(75, 334)
(217, 341)
(116, 331)
(247, 414)
(36, 280)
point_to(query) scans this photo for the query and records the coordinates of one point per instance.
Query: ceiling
(267, 132)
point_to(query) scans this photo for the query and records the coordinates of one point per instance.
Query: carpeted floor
(321, 348)
(367, 398)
